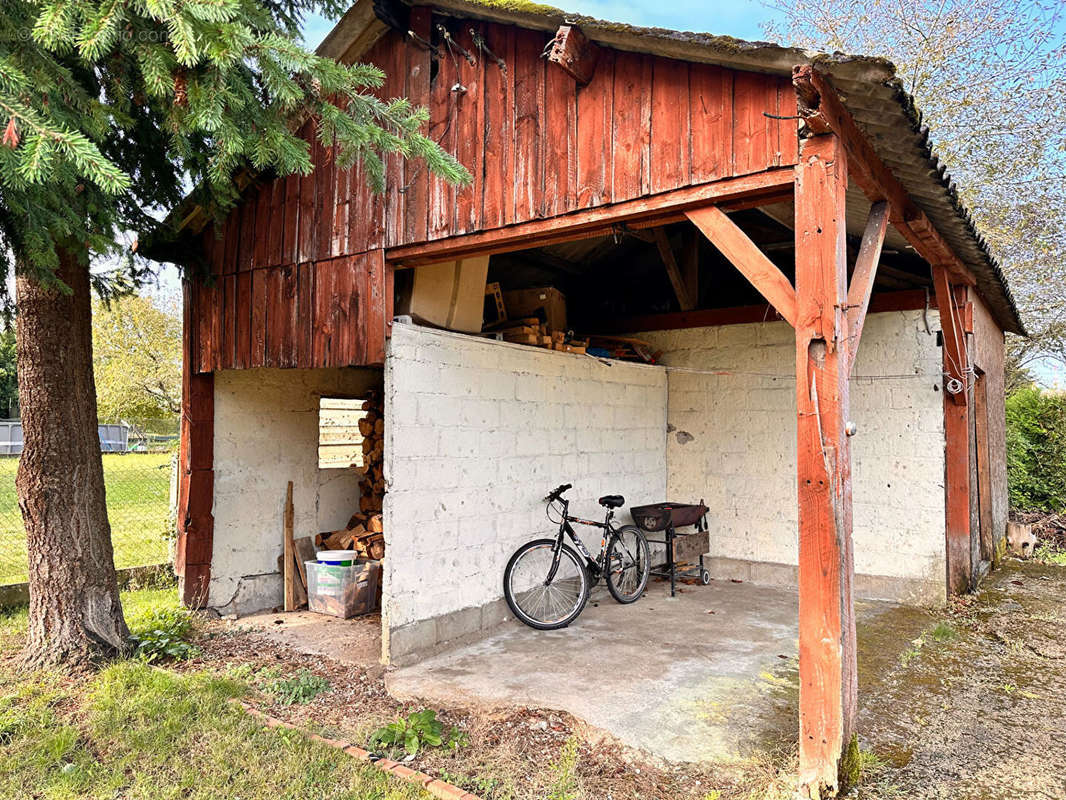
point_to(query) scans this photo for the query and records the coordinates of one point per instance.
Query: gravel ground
(976, 709)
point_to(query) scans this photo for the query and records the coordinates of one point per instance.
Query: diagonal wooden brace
(746, 256)
(862, 279)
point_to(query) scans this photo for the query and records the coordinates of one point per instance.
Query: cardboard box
(448, 295)
(529, 302)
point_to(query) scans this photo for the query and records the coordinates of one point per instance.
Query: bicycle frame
(595, 565)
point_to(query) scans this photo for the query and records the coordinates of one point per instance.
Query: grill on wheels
(680, 547)
(660, 516)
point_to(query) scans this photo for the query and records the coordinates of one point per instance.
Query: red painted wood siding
(537, 147)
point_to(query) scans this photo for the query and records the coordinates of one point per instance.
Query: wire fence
(138, 506)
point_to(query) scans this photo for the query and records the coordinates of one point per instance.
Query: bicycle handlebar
(555, 495)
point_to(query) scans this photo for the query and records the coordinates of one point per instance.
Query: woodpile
(364, 532)
(532, 331)
(372, 427)
(363, 535)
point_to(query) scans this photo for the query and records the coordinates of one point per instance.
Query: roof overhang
(868, 87)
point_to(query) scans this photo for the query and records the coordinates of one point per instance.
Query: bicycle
(547, 583)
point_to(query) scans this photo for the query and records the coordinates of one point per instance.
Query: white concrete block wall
(266, 434)
(477, 432)
(733, 442)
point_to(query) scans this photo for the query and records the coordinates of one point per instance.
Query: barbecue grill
(666, 518)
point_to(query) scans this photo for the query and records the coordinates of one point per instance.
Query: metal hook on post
(482, 45)
(452, 44)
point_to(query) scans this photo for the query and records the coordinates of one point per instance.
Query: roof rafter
(822, 109)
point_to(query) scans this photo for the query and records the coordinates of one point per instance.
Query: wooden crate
(690, 546)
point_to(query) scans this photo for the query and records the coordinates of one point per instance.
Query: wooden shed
(757, 214)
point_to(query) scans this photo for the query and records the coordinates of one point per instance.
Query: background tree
(990, 79)
(110, 108)
(9, 388)
(137, 358)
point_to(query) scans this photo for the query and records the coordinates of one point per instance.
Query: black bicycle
(547, 583)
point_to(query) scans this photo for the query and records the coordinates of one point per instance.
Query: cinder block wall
(266, 434)
(732, 441)
(477, 432)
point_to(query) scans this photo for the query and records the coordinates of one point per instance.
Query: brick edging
(435, 786)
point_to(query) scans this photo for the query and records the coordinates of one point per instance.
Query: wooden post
(956, 434)
(827, 666)
(196, 477)
(290, 553)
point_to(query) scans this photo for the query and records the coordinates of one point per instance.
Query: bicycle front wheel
(628, 564)
(540, 598)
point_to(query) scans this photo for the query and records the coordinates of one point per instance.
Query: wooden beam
(909, 300)
(645, 212)
(957, 432)
(196, 478)
(574, 53)
(690, 263)
(289, 550)
(862, 278)
(823, 111)
(673, 270)
(745, 255)
(827, 658)
(952, 326)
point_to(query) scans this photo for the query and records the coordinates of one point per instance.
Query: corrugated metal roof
(867, 85)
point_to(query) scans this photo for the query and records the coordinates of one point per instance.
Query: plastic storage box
(343, 591)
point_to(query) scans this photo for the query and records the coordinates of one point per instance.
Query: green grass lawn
(134, 731)
(138, 498)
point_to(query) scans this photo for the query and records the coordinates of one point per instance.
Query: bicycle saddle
(612, 501)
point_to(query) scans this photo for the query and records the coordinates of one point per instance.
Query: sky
(740, 18)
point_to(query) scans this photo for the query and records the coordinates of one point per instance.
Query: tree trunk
(75, 614)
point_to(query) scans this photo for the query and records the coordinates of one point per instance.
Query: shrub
(1036, 449)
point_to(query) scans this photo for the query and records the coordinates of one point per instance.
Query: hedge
(1036, 449)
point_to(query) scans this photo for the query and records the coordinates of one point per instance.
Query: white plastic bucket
(339, 558)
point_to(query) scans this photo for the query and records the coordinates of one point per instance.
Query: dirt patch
(512, 753)
(976, 707)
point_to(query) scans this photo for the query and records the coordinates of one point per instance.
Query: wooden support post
(957, 431)
(690, 264)
(824, 112)
(196, 477)
(677, 278)
(289, 547)
(746, 256)
(862, 278)
(827, 666)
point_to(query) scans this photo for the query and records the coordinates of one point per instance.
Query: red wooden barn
(826, 324)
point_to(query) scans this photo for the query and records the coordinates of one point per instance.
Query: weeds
(943, 632)
(1047, 554)
(302, 688)
(564, 785)
(163, 634)
(418, 731)
(940, 633)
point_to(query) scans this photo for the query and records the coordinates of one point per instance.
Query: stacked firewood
(372, 427)
(363, 533)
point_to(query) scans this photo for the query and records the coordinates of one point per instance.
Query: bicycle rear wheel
(628, 564)
(536, 601)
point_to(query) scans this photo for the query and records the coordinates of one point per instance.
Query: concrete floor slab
(356, 641)
(708, 675)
